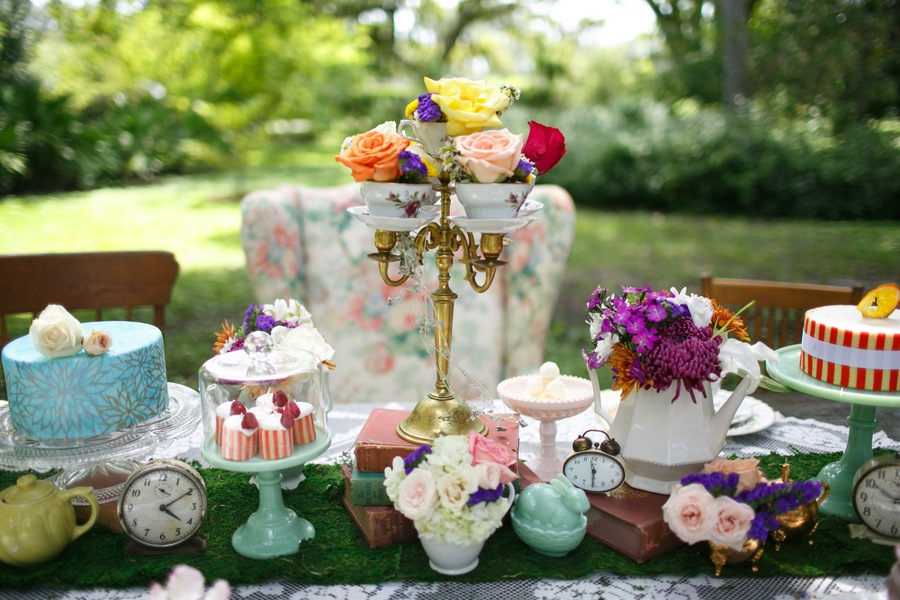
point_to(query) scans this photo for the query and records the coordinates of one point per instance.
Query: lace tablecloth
(787, 435)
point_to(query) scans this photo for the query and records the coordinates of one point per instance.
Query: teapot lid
(28, 489)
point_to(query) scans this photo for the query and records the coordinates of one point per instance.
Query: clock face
(594, 471)
(876, 495)
(162, 504)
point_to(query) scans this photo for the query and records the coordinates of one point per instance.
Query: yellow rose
(470, 106)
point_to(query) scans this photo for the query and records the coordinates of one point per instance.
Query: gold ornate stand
(442, 412)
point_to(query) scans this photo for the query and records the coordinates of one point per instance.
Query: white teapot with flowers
(666, 349)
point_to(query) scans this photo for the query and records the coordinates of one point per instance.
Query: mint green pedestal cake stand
(839, 475)
(273, 530)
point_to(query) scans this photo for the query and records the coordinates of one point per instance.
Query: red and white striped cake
(276, 438)
(304, 423)
(843, 348)
(240, 437)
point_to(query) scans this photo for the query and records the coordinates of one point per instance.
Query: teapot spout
(598, 402)
(721, 421)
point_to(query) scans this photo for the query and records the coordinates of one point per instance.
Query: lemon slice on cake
(880, 302)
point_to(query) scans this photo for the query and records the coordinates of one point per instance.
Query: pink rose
(746, 468)
(691, 513)
(489, 156)
(96, 342)
(417, 495)
(484, 450)
(490, 475)
(732, 523)
(544, 147)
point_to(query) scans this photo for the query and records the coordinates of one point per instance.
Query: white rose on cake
(56, 333)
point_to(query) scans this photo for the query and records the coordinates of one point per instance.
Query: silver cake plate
(21, 452)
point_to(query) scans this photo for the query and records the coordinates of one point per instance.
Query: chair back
(776, 317)
(86, 280)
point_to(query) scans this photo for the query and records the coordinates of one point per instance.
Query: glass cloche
(262, 403)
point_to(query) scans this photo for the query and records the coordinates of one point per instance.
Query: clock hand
(593, 474)
(171, 502)
(165, 508)
(895, 499)
(163, 491)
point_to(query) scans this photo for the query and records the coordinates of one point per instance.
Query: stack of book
(376, 446)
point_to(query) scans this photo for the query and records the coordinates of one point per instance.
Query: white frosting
(848, 317)
(305, 409)
(235, 423)
(224, 410)
(271, 421)
(547, 385)
(266, 400)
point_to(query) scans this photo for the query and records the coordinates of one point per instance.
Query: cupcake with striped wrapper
(223, 411)
(240, 437)
(304, 425)
(276, 439)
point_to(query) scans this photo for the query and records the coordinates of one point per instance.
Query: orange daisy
(227, 333)
(725, 320)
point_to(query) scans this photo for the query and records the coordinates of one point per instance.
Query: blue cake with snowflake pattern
(84, 396)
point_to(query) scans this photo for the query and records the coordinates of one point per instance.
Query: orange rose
(746, 468)
(373, 155)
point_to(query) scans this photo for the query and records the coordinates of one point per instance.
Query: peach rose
(484, 450)
(732, 523)
(96, 342)
(490, 475)
(691, 513)
(489, 156)
(417, 495)
(746, 468)
(374, 155)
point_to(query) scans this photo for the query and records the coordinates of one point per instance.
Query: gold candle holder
(442, 412)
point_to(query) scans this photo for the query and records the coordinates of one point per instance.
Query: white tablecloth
(786, 436)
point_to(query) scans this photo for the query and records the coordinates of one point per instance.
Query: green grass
(197, 218)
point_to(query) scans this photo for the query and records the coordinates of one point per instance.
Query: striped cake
(843, 348)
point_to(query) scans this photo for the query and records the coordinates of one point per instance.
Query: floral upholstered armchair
(301, 243)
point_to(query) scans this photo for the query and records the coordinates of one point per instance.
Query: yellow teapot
(37, 520)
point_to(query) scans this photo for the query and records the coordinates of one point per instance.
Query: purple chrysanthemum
(684, 354)
(428, 110)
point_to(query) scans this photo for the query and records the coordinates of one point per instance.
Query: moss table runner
(339, 555)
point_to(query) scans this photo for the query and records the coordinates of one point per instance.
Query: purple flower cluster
(685, 354)
(256, 320)
(427, 110)
(484, 495)
(768, 500)
(523, 170)
(413, 459)
(637, 316)
(412, 169)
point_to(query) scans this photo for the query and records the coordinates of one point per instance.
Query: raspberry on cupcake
(225, 410)
(304, 425)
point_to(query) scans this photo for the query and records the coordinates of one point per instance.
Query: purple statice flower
(522, 171)
(679, 310)
(761, 525)
(250, 318)
(412, 169)
(428, 110)
(483, 495)
(412, 460)
(716, 483)
(265, 322)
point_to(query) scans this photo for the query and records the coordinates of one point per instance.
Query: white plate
(529, 207)
(492, 225)
(744, 411)
(761, 417)
(425, 216)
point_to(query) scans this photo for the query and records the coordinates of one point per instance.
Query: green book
(367, 489)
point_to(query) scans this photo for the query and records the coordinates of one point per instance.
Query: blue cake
(83, 396)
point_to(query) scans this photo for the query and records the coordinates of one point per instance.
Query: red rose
(544, 147)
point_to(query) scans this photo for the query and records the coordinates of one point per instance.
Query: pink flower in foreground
(484, 450)
(732, 523)
(417, 495)
(691, 513)
(187, 583)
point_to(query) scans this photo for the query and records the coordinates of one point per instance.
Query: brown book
(378, 443)
(631, 522)
(380, 525)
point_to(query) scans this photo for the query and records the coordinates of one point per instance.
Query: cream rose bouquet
(717, 507)
(453, 489)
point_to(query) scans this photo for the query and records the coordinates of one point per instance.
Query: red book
(630, 521)
(378, 443)
(380, 525)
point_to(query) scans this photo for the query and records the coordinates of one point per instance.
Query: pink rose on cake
(56, 333)
(96, 342)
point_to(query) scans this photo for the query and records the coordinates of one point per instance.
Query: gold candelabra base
(436, 416)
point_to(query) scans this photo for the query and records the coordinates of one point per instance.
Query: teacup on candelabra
(579, 395)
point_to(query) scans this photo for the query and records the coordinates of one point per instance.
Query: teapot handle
(825, 491)
(86, 493)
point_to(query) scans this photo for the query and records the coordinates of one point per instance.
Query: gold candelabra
(442, 412)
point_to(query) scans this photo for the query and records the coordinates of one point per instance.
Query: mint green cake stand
(274, 529)
(839, 475)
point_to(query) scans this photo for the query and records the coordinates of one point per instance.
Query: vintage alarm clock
(594, 467)
(163, 503)
(876, 494)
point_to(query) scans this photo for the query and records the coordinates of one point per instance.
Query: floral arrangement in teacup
(187, 583)
(653, 340)
(452, 490)
(289, 324)
(730, 503)
(56, 333)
